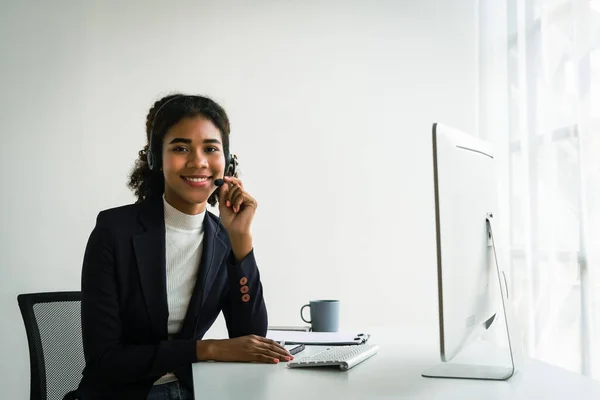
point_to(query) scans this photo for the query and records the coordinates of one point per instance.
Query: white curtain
(540, 105)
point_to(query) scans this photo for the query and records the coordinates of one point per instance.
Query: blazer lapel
(149, 248)
(213, 251)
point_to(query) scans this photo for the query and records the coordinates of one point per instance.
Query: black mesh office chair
(53, 326)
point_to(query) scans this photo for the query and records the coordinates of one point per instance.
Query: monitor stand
(472, 371)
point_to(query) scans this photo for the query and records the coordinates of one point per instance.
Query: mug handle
(302, 316)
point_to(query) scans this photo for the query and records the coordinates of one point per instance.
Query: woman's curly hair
(147, 183)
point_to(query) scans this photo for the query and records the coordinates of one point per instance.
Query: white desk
(394, 373)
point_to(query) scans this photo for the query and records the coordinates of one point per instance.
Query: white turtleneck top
(183, 246)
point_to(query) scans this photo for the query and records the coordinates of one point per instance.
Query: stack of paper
(290, 328)
(318, 338)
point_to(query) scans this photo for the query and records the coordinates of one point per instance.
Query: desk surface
(395, 372)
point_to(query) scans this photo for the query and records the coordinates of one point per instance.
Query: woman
(157, 273)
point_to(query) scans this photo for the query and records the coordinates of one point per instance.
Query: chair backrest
(53, 326)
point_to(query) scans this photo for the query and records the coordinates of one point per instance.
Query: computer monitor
(468, 277)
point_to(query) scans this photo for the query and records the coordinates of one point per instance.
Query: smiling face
(192, 158)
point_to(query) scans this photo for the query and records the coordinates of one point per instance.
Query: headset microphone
(231, 168)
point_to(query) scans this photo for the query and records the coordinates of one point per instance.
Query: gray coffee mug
(324, 315)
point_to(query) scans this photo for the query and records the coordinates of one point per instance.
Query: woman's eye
(212, 149)
(179, 149)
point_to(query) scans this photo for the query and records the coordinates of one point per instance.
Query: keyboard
(344, 357)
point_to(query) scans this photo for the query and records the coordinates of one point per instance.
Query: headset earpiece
(231, 165)
(150, 159)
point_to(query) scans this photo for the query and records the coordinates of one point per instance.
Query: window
(552, 142)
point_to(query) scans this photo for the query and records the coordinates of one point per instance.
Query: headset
(231, 161)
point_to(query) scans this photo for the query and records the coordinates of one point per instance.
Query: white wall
(331, 106)
(493, 106)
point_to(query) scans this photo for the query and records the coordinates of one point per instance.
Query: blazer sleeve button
(244, 289)
(243, 281)
(246, 298)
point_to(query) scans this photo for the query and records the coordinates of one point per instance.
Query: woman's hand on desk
(249, 348)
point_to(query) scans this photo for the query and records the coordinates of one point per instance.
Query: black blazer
(124, 302)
